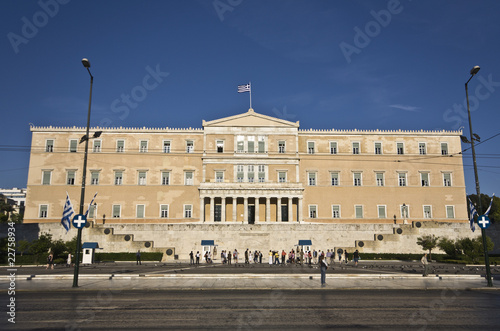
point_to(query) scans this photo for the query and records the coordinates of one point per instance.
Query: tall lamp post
(86, 64)
(473, 72)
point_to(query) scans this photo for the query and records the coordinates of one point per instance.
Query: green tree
(494, 214)
(23, 246)
(5, 210)
(473, 248)
(40, 247)
(451, 247)
(428, 242)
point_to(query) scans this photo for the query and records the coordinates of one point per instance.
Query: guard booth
(304, 245)
(89, 252)
(208, 246)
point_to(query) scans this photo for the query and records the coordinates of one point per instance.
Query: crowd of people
(276, 257)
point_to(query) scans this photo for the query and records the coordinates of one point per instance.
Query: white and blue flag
(67, 213)
(91, 202)
(472, 213)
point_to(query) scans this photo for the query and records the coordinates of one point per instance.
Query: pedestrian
(323, 266)
(138, 257)
(229, 255)
(315, 256)
(191, 258)
(235, 255)
(355, 257)
(209, 257)
(310, 256)
(329, 255)
(277, 257)
(68, 260)
(283, 257)
(246, 257)
(270, 258)
(197, 257)
(425, 263)
(332, 257)
(50, 261)
(339, 252)
(301, 257)
(260, 257)
(346, 256)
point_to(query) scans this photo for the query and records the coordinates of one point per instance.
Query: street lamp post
(473, 72)
(86, 64)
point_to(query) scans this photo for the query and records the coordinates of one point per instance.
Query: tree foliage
(472, 249)
(428, 242)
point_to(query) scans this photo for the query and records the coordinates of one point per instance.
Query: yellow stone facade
(249, 168)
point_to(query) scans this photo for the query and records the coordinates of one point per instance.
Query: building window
(141, 178)
(251, 173)
(311, 178)
(450, 211)
(188, 211)
(143, 146)
(118, 177)
(422, 150)
(282, 177)
(166, 146)
(262, 173)
(97, 146)
(239, 174)
(219, 176)
(357, 178)
(310, 147)
(220, 146)
(120, 146)
(164, 211)
(355, 148)
(358, 211)
(334, 176)
(140, 211)
(70, 178)
(94, 178)
(92, 211)
(427, 212)
(240, 144)
(281, 146)
(189, 146)
(188, 178)
(251, 145)
(402, 179)
(333, 147)
(400, 148)
(444, 148)
(313, 211)
(49, 145)
(378, 148)
(43, 211)
(336, 211)
(424, 178)
(46, 177)
(262, 144)
(380, 178)
(165, 178)
(117, 209)
(447, 179)
(381, 212)
(73, 144)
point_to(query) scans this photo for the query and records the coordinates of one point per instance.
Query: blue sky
(328, 64)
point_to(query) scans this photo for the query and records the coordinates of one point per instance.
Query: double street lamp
(473, 137)
(85, 138)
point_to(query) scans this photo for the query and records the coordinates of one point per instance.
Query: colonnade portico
(225, 209)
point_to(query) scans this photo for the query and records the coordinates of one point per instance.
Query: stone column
(257, 210)
(290, 209)
(299, 211)
(278, 206)
(212, 205)
(223, 210)
(245, 210)
(202, 209)
(268, 209)
(235, 203)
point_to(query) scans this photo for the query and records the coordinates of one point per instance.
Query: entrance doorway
(284, 213)
(251, 214)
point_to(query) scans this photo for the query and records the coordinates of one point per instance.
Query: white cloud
(405, 107)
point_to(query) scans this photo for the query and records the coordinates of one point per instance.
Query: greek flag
(244, 88)
(67, 213)
(491, 203)
(472, 213)
(91, 202)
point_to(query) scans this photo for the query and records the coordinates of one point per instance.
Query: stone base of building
(177, 240)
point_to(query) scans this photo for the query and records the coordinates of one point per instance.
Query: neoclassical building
(249, 169)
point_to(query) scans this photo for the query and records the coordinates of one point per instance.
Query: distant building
(249, 169)
(17, 196)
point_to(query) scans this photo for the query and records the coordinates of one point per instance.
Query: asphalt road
(256, 309)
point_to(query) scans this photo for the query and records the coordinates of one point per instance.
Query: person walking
(50, 261)
(229, 255)
(138, 258)
(191, 258)
(425, 263)
(260, 257)
(246, 257)
(339, 252)
(270, 258)
(68, 260)
(346, 256)
(197, 257)
(235, 255)
(323, 266)
(355, 257)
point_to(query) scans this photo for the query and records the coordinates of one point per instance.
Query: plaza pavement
(183, 276)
